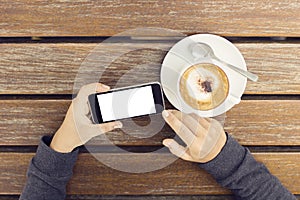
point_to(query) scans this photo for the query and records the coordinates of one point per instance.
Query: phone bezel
(157, 96)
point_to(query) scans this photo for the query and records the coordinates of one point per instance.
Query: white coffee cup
(198, 59)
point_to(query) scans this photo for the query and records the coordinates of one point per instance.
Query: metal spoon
(204, 50)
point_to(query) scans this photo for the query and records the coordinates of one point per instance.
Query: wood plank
(179, 178)
(130, 197)
(9, 197)
(107, 17)
(151, 197)
(269, 122)
(252, 122)
(52, 68)
(273, 63)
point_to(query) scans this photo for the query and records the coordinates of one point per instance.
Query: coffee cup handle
(234, 99)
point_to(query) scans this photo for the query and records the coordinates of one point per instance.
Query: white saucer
(179, 57)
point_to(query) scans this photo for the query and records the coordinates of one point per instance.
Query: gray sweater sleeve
(48, 173)
(236, 169)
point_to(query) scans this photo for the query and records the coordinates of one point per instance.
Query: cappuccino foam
(195, 89)
(204, 86)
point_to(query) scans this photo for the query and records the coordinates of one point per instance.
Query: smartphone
(128, 102)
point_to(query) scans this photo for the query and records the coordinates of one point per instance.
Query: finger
(208, 119)
(177, 125)
(80, 108)
(194, 126)
(81, 101)
(176, 149)
(203, 121)
(86, 109)
(102, 88)
(110, 126)
(86, 90)
(98, 129)
(221, 118)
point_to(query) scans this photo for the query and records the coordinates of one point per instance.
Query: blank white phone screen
(126, 103)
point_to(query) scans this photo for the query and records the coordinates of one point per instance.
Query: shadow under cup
(203, 86)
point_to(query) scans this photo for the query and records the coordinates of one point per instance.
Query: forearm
(48, 174)
(236, 169)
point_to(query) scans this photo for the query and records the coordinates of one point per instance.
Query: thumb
(176, 149)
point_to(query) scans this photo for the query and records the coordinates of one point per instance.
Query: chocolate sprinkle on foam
(206, 85)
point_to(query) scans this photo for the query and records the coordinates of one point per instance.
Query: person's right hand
(204, 137)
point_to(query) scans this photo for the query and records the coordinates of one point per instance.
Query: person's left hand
(77, 128)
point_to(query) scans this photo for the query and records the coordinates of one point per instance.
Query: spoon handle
(247, 74)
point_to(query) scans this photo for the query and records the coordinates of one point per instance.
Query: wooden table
(44, 43)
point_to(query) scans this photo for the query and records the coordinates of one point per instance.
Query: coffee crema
(204, 86)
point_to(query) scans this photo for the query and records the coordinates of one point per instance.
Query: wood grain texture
(137, 197)
(108, 17)
(53, 68)
(179, 178)
(252, 122)
(151, 197)
(144, 197)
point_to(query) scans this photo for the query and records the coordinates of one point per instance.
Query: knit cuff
(53, 163)
(227, 161)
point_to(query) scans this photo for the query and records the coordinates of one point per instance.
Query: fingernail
(165, 143)
(165, 113)
(118, 125)
(105, 86)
